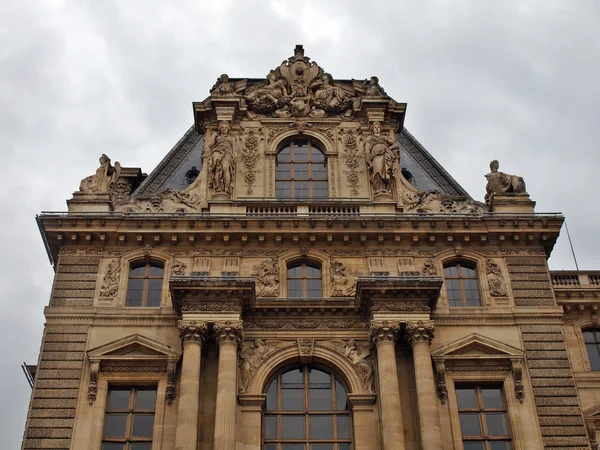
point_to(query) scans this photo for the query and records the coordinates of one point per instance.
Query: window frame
(306, 412)
(147, 264)
(304, 263)
(293, 180)
(459, 263)
(596, 332)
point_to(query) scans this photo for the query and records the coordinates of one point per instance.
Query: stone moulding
(134, 353)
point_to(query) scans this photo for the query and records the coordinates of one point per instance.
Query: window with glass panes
(301, 171)
(304, 280)
(145, 284)
(483, 418)
(592, 345)
(307, 409)
(462, 287)
(129, 418)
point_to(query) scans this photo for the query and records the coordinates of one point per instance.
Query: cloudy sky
(515, 80)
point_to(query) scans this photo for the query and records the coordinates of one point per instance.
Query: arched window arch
(304, 279)
(145, 283)
(307, 408)
(462, 286)
(301, 171)
(591, 339)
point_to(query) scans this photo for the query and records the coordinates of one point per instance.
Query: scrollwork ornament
(192, 332)
(178, 268)
(418, 332)
(93, 386)
(429, 268)
(170, 392)
(229, 332)
(440, 369)
(384, 331)
(517, 373)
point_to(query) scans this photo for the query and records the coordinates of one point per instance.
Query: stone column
(229, 337)
(419, 335)
(384, 335)
(192, 335)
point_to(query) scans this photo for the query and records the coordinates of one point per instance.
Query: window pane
(589, 337)
(450, 271)
(321, 427)
(313, 272)
(272, 396)
(271, 447)
(154, 292)
(141, 446)
(343, 427)
(114, 425)
(294, 288)
(300, 152)
(292, 391)
(340, 397)
(473, 300)
(270, 427)
(300, 171)
(465, 398)
(473, 445)
(301, 189)
(293, 447)
(492, 398)
(283, 171)
(292, 427)
(319, 172)
(284, 155)
(316, 155)
(500, 445)
(283, 189)
(344, 447)
(134, 293)
(469, 424)
(138, 271)
(145, 399)
(320, 391)
(112, 446)
(496, 424)
(321, 447)
(320, 189)
(295, 271)
(314, 288)
(142, 425)
(156, 271)
(118, 399)
(593, 355)
(467, 271)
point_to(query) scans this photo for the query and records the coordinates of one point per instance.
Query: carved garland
(352, 161)
(250, 157)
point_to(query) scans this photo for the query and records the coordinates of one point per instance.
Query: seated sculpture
(104, 177)
(502, 183)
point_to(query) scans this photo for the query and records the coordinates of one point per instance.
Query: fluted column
(229, 337)
(384, 335)
(192, 335)
(419, 335)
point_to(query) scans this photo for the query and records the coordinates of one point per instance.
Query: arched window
(301, 171)
(307, 409)
(591, 337)
(145, 284)
(304, 280)
(461, 283)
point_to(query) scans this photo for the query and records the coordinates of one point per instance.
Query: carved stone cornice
(200, 293)
(406, 293)
(229, 332)
(192, 332)
(420, 331)
(384, 331)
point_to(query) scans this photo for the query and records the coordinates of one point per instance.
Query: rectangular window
(483, 417)
(129, 418)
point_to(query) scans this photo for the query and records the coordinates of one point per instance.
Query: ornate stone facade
(213, 292)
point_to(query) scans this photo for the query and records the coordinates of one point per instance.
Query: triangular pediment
(133, 347)
(477, 346)
(592, 413)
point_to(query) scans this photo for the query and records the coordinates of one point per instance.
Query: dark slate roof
(170, 173)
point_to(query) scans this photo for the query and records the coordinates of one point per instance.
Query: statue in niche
(502, 183)
(382, 153)
(223, 87)
(106, 176)
(221, 168)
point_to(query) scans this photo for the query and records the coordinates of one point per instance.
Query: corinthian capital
(192, 331)
(421, 331)
(229, 332)
(384, 331)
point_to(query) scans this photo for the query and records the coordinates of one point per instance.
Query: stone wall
(530, 281)
(75, 282)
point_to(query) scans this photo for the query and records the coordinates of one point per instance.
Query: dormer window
(301, 171)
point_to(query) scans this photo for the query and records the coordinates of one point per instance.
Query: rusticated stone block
(67, 329)
(547, 354)
(59, 374)
(548, 364)
(78, 269)
(72, 302)
(51, 423)
(532, 293)
(527, 269)
(535, 302)
(556, 401)
(53, 403)
(549, 337)
(558, 411)
(76, 277)
(52, 433)
(562, 431)
(542, 329)
(521, 285)
(550, 373)
(544, 345)
(60, 365)
(80, 337)
(526, 261)
(529, 277)
(78, 284)
(70, 293)
(547, 382)
(560, 420)
(55, 393)
(569, 441)
(53, 413)
(63, 347)
(32, 444)
(78, 260)
(554, 392)
(57, 384)
(62, 356)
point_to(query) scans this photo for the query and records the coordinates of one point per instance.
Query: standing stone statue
(502, 183)
(381, 152)
(105, 176)
(221, 167)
